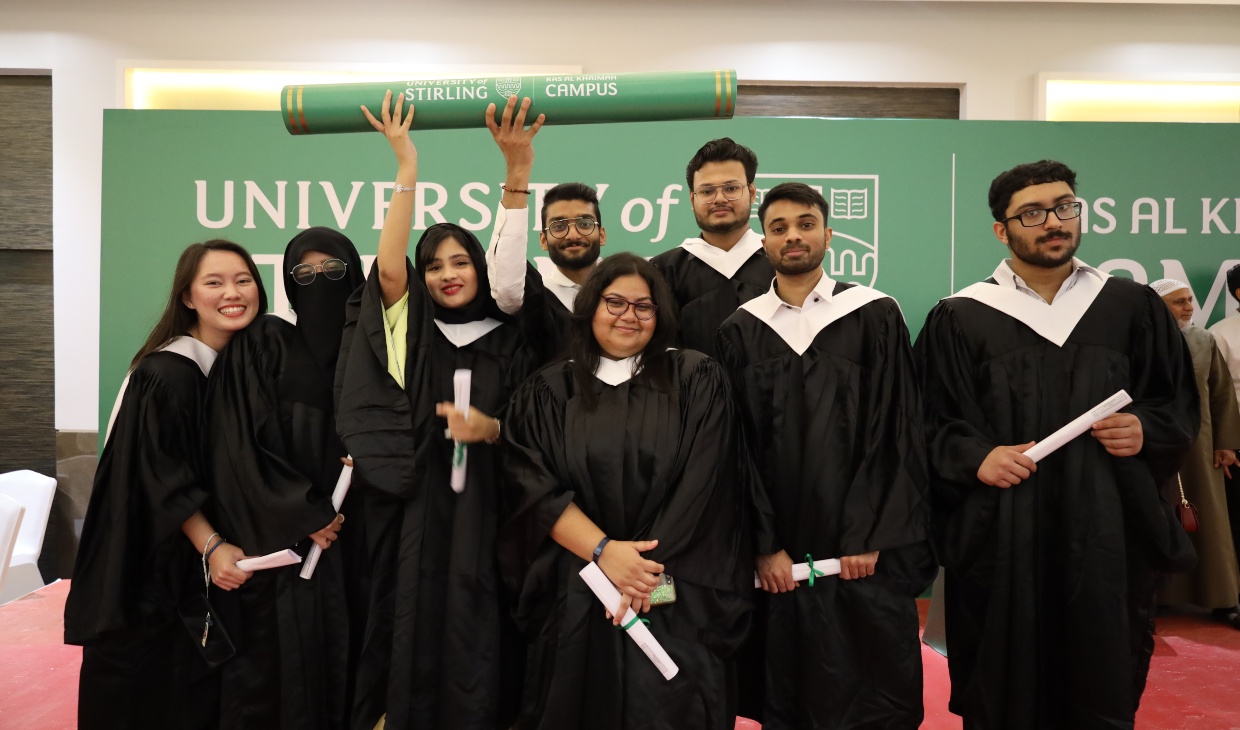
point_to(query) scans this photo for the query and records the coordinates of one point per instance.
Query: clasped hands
(775, 570)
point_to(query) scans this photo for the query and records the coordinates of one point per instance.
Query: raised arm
(506, 266)
(394, 238)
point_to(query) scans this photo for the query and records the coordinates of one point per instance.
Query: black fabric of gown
(837, 441)
(440, 651)
(275, 459)
(544, 318)
(705, 297)
(1049, 584)
(135, 566)
(643, 464)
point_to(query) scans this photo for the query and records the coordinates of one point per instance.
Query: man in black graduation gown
(824, 375)
(713, 275)
(572, 235)
(1050, 566)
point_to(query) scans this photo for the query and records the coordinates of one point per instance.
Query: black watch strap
(598, 550)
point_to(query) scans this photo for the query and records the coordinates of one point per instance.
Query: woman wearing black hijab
(437, 651)
(275, 459)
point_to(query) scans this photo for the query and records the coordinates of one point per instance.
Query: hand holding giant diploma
(637, 631)
(338, 494)
(800, 571)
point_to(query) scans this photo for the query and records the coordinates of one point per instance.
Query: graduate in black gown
(275, 459)
(439, 649)
(823, 371)
(712, 275)
(1049, 591)
(135, 565)
(624, 454)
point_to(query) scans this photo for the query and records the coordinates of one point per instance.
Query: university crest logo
(508, 87)
(853, 201)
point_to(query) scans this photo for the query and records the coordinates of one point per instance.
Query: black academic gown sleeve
(544, 318)
(643, 464)
(704, 297)
(133, 558)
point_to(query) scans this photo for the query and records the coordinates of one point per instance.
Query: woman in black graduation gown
(626, 454)
(435, 652)
(134, 566)
(275, 459)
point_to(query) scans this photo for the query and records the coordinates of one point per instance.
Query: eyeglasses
(333, 269)
(617, 306)
(731, 191)
(559, 226)
(1037, 216)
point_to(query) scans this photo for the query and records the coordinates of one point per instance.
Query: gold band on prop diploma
(566, 99)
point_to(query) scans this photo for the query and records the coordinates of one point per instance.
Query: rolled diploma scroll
(800, 571)
(342, 488)
(637, 631)
(461, 381)
(462, 102)
(274, 560)
(1080, 425)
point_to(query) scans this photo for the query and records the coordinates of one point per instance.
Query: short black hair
(795, 192)
(571, 191)
(1233, 280)
(723, 150)
(1007, 184)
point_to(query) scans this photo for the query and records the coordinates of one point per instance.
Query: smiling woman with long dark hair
(626, 453)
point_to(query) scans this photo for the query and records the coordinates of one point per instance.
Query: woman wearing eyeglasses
(275, 459)
(435, 654)
(626, 454)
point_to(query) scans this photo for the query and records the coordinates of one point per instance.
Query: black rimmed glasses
(1037, 216)
(731, 191)
(617, 306)
(559, 227)
(333, 269)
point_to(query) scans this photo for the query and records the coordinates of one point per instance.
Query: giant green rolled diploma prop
(570, 99)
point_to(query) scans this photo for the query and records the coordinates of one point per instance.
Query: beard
(804, 265)
(720, 227)
(582, 260)
(1030, 252)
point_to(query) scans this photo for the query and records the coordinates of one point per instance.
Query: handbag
(1185, 510)
(203, 622)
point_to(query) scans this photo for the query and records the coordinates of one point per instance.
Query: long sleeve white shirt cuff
(506, 257)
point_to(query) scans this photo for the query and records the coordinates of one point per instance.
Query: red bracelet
(514, 190)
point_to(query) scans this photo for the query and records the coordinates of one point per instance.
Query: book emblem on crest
(508, 87)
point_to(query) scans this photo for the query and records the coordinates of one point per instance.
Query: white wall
(995, 50)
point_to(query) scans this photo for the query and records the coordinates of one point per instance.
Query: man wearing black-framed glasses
(713, 274)
(1050, 566)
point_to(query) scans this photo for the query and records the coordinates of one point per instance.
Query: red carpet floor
(1194, 680)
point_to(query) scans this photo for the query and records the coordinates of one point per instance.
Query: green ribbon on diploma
(630, 624)
(565, 99)
(813, 572)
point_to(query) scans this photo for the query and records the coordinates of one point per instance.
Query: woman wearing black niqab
(275, 459)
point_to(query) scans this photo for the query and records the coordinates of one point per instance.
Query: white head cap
(1163, 287)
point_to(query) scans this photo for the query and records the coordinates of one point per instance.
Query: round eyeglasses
(1037, 216)
(559, 227)
(731, 191)
(617, 306)
(333, 269)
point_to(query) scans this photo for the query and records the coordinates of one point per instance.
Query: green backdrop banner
(908, 198)
(567, 99)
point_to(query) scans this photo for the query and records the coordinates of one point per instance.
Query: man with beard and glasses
(712, 275)
(572, 235)
(823, 375)
(1050, 567)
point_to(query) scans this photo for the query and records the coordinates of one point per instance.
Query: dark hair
(795, 192)
(585, 351)
(571, 191)
(177, 318)
(1007, 184)
(723, 150)
(1233, 280)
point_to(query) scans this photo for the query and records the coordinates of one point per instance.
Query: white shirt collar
(1004, 276)
(725, 262)
(764, 307)
(465, 333)
(799, 326)
(564, 288)
(615, 372)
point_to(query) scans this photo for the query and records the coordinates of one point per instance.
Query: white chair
(10, 522)
(34, 492)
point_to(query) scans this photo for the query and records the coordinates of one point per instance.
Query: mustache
(1053, 235)
(789, 248)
